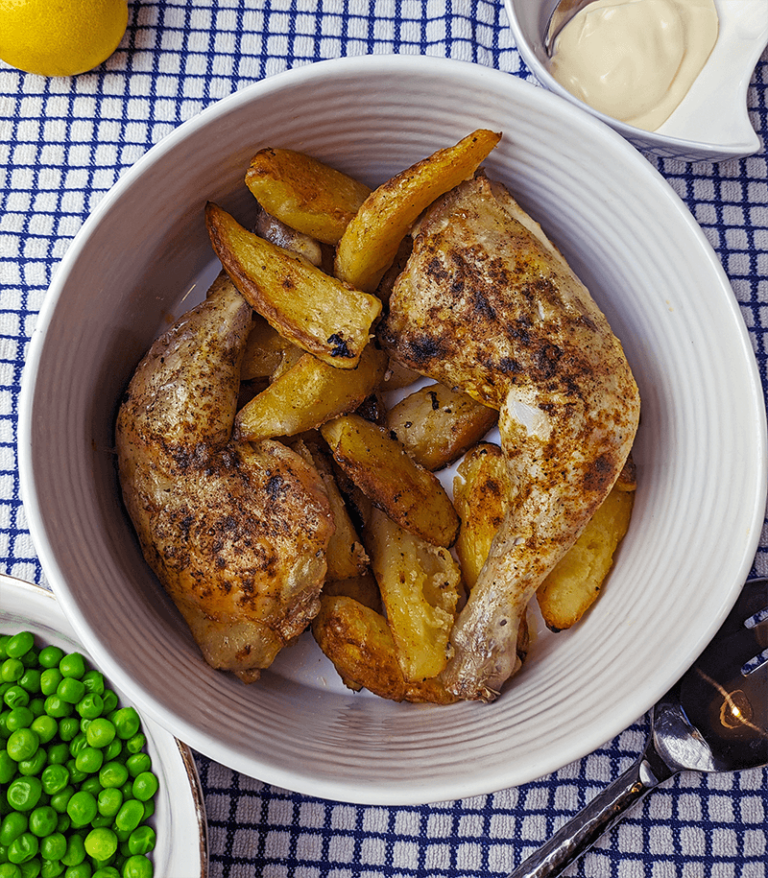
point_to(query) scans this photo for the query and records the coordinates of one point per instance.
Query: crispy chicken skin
(235, 532)
(487, 304)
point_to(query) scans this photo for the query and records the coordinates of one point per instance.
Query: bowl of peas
(88, 787)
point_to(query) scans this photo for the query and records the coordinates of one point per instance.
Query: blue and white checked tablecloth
(64, 142)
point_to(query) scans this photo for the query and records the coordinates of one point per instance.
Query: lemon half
(60, 37)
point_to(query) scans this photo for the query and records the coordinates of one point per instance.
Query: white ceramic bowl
(701, 450)
(712, 123)
(179, 818)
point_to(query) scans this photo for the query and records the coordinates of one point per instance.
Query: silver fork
(714, 719)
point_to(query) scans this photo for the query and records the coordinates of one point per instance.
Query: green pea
(113, 774)
(70, 690)
(130, 815)
(10, 870)
(78, 743)
(81, 808)
(63, 823)
(31, 869)
(69, 728)
(24, 793)
(92, 785)
(23, 848)
(60, 800)
(50, 656)
(100, 733)
(138, 763)
(149, 808)
(4, 638)
(19, 644)
(53, 846)
(52, 869)
(13, 825)
(109, 801)
(30, 681)
(75, 852)
(8, 767)
(127, 722)
(57, 707)
(43, 821)
(113, 750)
(75, 775)
(46, 728)
(104, 872)
(15, 696)
(11, 670)
(58, 753)
(142, 840)
(22, 744)
(49, 681)
(89, 760)
(110, 700)
(72, 665)
(94, 682)
(80, 870)
(100, 843)
(35, 764)
(90, 706)
(136, 744)
(19, 718)
(137, 867)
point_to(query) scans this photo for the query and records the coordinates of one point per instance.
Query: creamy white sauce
(635, 60)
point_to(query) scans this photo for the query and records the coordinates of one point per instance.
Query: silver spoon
(714, 719)
(561, 15)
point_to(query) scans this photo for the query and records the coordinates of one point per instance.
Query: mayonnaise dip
(635, 60)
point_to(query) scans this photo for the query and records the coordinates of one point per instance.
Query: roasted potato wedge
(345, 555)
(305, 193)
(379, 465)
(420, 587)
(480, 496)
(308, 395)
(266, 351)
(363, 588)
(575, 583)
(305, 305)
(272, 229)
(370, 242)
(358, 641)
(436, 425)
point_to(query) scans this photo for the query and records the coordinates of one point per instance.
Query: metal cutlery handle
(607, 808)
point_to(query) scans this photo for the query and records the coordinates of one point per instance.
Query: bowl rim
(291, 78)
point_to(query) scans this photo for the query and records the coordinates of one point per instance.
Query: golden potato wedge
(480, 496)
(308, 395)
(358, 642)
(305, 193)
(436, 425)
(265, 351)
(363, 588)
(306, 306)
(345, 555)
(370, 242)
(420, 587)
(575, 583)
(272, 229)
(379, 465)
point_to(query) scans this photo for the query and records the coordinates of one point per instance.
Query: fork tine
(752, 599)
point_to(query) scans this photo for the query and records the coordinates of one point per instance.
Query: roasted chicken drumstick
(235, 532)
(487, 304)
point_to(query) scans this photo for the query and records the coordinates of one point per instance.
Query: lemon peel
(60, 37)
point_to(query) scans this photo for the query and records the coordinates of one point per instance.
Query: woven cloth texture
(64, 143)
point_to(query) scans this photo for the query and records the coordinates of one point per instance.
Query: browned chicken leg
(487, 304)
(235, 532)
